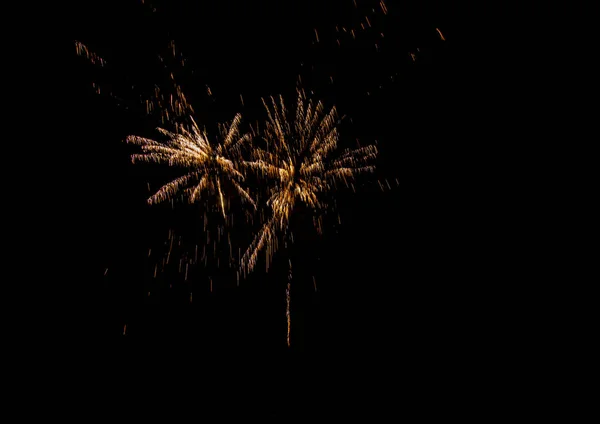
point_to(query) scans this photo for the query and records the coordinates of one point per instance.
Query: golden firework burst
(297, 161)
(209, 165)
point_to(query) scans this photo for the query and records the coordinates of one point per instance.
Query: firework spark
(168, 101)
(209, 166)
(83, 50)
(297, 161)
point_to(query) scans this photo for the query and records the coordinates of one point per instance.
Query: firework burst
(297, 161)
(209, 166)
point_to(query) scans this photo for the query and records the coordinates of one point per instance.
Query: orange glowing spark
(441, 35)
(83, 50)
(383, 7)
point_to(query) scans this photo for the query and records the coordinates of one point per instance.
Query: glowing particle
(441, 35)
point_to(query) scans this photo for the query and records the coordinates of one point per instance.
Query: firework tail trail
(297, 166)
(288, 313)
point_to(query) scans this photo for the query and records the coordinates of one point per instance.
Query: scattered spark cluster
(167, 101)
(371, 20)
(365, 28)
(83, 50)
(362, 25)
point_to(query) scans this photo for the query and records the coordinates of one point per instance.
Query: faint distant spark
(209, 166)
(83, 50)
(169, 102)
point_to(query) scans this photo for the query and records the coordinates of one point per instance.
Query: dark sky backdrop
(403, 283)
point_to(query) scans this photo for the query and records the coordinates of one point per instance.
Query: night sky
(403, 283)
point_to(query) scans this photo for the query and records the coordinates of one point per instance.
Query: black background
(408, 315)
